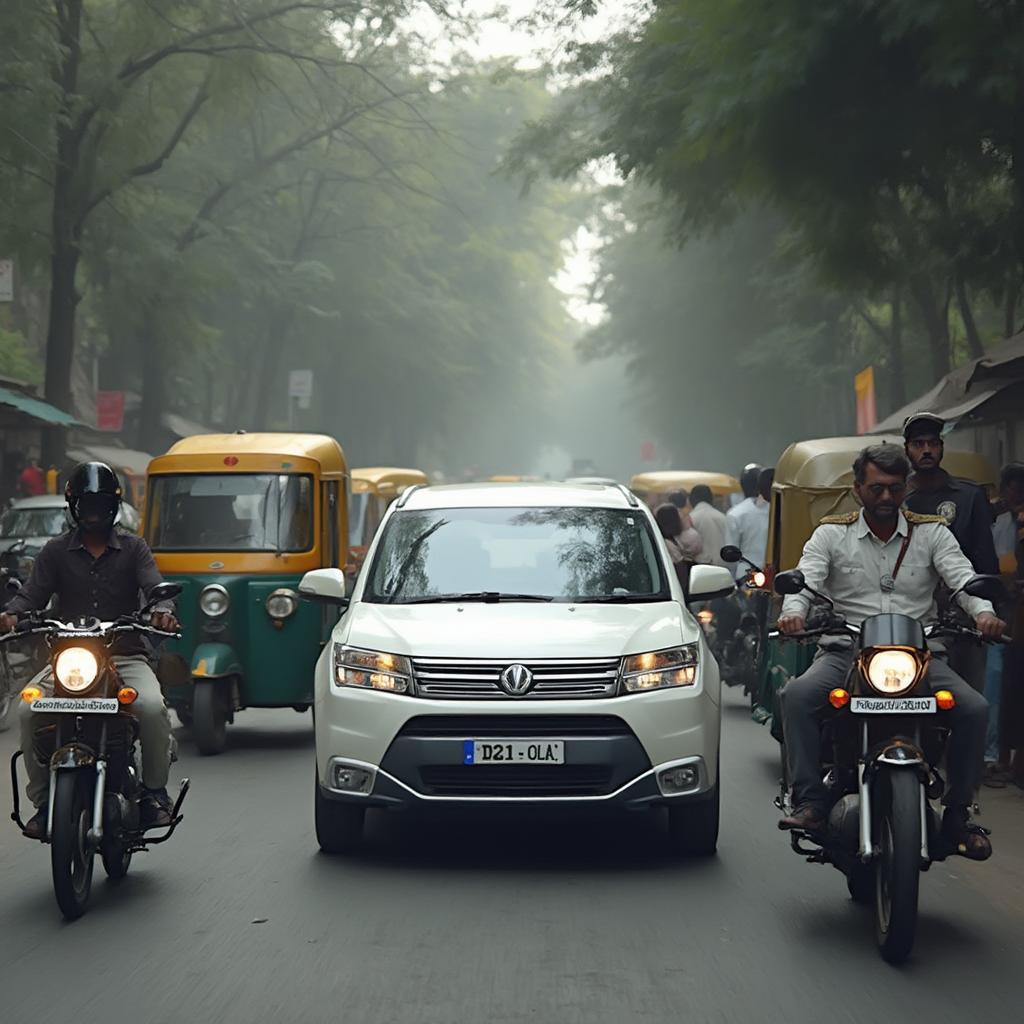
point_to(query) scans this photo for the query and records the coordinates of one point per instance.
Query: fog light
(350, 779)
(679, 780)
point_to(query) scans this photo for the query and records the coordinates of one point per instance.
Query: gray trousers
(154, 728)
(805, 704)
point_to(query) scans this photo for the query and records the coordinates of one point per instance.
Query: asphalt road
(497, 919)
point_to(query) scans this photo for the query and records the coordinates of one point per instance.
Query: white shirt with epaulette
(847, 562)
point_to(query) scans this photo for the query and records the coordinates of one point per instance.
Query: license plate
(893, 705)
(76, 705)
(513, 752)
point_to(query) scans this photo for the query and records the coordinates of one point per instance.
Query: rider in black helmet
(96, 571)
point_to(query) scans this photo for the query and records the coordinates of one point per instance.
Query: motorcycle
(881, 748)
(735, 638)
(91, 743)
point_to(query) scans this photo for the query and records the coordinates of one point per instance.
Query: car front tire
(693, 826)
(339, 826)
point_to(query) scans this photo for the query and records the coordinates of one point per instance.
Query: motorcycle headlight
(214, 601)
(76, 669)
(659, 669)
(892, 672)
(372, 670)
(282, 603)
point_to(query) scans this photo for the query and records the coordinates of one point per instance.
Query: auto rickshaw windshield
(232, 512)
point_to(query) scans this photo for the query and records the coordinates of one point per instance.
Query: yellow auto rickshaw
(373, 490)
(655, 486)
(237, 520)
(814, 479)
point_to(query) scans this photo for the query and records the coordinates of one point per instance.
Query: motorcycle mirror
(162, 592)
(13, 584)
(988, 588)
(730, 553)
(790, 582)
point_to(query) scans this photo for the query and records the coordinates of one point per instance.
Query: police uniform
(866, 576)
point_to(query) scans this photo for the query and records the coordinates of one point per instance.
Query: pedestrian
(709, 523)
(670, 524)
(964, 506)
(688, 538)
(31, 481)
(746, 525)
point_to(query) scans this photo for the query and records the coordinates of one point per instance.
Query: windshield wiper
(482, 596)
(622, 599)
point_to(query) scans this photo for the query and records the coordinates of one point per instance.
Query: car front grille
(457, 679)
(496, 780)
(525, 727)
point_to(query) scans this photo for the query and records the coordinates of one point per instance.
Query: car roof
(519, 495)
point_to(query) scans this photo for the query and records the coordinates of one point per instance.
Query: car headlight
(214, 601)
(892, 672)
(282, 603)
(659, 669)
(76, 668)
(372, 670)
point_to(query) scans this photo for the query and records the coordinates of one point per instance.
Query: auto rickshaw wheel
(210, 717)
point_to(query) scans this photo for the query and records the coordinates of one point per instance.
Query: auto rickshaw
(237, 520)
(373, 490)
(814, 479)
(654, 487)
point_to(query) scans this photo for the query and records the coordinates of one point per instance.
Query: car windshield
(32, 522)
(231, 512)
(562, 554)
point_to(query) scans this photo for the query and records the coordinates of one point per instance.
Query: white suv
(524, 643)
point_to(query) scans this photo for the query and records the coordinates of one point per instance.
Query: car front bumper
(616, 749)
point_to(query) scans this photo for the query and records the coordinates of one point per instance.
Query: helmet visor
(97, 511)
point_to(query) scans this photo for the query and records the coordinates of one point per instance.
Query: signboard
(110, 411)
(300, 387)
(864, 387)
(6, 280)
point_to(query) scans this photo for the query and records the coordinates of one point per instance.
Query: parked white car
(524, 643)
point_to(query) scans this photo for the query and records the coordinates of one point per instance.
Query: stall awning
(37, 408)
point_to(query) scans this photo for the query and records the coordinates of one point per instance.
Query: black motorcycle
(881, 748)
(91, 743)
(736, 626)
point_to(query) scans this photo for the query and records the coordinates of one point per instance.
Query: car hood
(31, 543)
(520, 631)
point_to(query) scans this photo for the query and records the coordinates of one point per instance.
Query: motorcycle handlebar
(30, 626)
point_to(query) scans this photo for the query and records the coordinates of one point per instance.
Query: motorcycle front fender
(73, 755)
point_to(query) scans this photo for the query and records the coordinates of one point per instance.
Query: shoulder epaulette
(919, 519)
(840, 519)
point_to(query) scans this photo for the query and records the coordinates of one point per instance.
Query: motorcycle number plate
(76, 705)
(893, 705)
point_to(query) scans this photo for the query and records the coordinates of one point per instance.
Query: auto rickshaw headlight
(214, 601)
(76, 669)
(892, 672)
(372, 670)
(282, 603)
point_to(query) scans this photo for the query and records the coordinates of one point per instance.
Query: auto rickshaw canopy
(251, 453)
(387, 482)
(814, 479)
(662, 481)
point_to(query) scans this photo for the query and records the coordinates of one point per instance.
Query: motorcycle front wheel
(898, 872)
(70, 855)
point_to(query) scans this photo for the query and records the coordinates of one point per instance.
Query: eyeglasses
(895, 490)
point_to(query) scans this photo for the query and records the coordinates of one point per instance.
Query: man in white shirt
(709, 523)
(746, 525)
(883, 560)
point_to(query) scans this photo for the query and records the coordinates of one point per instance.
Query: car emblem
(516, 680)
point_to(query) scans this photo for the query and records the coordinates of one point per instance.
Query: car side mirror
(327, 586)
(988, 588)
(730, 553)
(790, 582)
(165, 591)
(708, 582)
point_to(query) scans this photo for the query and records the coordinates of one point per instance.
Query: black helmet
(93, 494)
